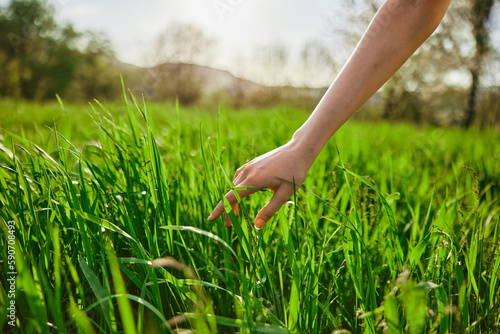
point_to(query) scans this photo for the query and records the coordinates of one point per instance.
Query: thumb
(282, 194)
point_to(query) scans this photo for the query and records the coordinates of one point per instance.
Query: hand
(276, 170)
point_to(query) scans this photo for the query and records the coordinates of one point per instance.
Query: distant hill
(196, 84)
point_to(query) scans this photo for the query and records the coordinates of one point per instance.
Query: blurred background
(244, 54)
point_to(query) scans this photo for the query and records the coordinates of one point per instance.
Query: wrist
(306, 146)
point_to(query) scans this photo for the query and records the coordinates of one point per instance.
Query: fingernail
(259, 222)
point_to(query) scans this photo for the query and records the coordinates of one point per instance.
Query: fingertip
(218, 210)
(227, 221)
(214, 215)
(259, 223)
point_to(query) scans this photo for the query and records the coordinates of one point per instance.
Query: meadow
(103, 213)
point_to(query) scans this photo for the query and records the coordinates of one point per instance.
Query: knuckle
(241, 169)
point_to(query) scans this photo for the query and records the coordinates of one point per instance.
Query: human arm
(396, 31)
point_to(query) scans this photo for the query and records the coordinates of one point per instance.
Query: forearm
(396, 31)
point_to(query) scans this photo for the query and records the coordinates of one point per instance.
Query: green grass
(395, 230)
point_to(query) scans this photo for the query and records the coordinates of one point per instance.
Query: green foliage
(40, 58)
(395, 229)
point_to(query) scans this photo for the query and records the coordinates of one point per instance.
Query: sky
(239, 26)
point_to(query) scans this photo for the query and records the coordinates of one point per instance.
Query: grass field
(103, 222)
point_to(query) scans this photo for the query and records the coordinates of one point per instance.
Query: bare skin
(396, 31)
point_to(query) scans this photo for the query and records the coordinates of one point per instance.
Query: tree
(39, 58)
(430, 87)
(173, 76)
(184, 43)
(479, 16)
(25, 29)
(271, 61)
(317, 63)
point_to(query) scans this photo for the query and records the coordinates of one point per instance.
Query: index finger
(231, 198)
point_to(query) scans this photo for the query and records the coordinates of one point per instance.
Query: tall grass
(395, 229)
